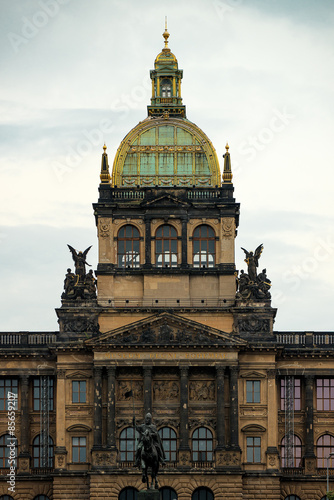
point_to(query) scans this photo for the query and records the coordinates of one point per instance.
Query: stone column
(111, 438)
(24, 379)
(272, 455)
(60, 452)
(184, 244)
(309, 455)
(148, 389)
(184, 428)
(97, 407)
(148, 256)
(220, 370)
(234, 427)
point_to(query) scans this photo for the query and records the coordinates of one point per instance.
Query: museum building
(173, 329)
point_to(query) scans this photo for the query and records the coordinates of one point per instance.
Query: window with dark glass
(292, 497)
(127, 444)
(5, 441)
(253, 450)
(166, 88)
(128, 493)
(79, 391)
(38, 453)
(42, 388)
(202, 494)
(204, 244)
(293, 392)
(41, 497)
(7, 385)
(6, 497)
(166, 246)
(79, 450)
(291, 451)
(325, 446)
(167, 493)
(325, 394)
(202, 445)
(128, 247)
(169, 440)
(253, 391)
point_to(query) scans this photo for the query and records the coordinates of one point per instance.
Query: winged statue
(252, 261)
(80, 263)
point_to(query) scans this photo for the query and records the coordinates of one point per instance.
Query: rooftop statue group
(79, 285)
(150, 451)
(252, 285)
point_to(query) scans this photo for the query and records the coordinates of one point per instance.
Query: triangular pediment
(166, 329)
(165, 200)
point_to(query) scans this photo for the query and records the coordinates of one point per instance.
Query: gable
(165, 200)
(167, 329)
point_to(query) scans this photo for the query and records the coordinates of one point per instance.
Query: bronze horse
(149, 458)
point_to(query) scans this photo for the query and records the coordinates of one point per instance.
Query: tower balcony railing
(24, 338)
(191, 193)
(302, 339)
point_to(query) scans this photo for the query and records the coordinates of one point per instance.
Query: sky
(256, 73)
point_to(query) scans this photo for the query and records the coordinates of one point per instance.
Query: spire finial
(227, 174)
(166, 34)
(105, 175)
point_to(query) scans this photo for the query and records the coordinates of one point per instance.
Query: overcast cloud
(258, 74)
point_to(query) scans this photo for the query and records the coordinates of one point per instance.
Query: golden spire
(227, 174)
(166, 35)
(105, 175)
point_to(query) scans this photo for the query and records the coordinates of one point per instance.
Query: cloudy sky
(257, 73)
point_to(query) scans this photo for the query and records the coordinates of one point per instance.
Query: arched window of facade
(128, 493)
(167, 493)
(128, 247)
(202, 494)
(41, 497)
(202, 445)
(6, 497)
(166, 88)
(294, 459)
(204, 246)
(127, 445)
(169, 441)
(37, 452)
(166, 246)
(5, 441)
(292, 497)
(325, 446)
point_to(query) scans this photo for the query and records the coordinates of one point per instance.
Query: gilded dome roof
(166, 152)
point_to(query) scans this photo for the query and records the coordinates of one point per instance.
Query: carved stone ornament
(227, 227)
(228, 459)
(165, 390)
(253, 324)
(104, 228)
(24, 464)
(202, 422)
(127, 390)
(202, 391)
(80, 324)
(184, 458)
(60, 461)
(104, 458)
(273, 461)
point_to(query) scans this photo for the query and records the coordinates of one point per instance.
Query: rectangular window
(78, 450)
(254, 450)
(295, 384)
(253, 391)
(325, 394)
(8, 386)
(42, 389)
(79, 391)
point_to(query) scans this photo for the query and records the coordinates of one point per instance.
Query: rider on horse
(148, 425)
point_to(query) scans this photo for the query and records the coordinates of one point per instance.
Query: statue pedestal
(149, 495)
